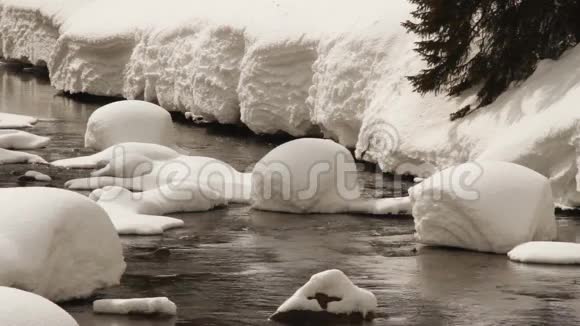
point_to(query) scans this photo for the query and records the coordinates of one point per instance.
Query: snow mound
(38, 176)
(545, 252)
(21, 308)
(120, 154)
(328, 292)
(138, 213)
(141, 170)
(324, 181)
(7, 156)
(129, 121)
(485, 206)
(146, 306)
(9, 120)
(17, 139)
(57, 243)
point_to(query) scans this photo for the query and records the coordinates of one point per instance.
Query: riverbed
(235, 266)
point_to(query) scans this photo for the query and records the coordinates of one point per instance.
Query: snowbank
(7, 156)
(21, 308)
(29, 29)
(328, 292)
(280, 68)
(138, 213)
(9, 120)
(542, 252)
(146, 306)
(56, 243)
(129, 121)
(485, 206)
(17, 139)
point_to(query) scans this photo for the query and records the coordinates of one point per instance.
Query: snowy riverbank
(280, 68)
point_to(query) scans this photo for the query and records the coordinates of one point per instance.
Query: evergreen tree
(489, 43)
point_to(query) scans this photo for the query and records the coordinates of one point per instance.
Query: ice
(342, 298)
(545, 252)
(38, 176)
(21, 308)
(146, 306)
(17, 139)
(485, 206)
(311, 175)
(9, 120)
(8, 156)
(139, 213)
(129, 121)
(57, 243)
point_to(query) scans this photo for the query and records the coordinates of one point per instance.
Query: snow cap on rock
(305, 176)
(485, 206)
(129, 121)
(21, 308)
(328, 294)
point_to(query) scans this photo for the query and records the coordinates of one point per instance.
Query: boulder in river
(328, 297)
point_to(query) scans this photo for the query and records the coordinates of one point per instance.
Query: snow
(21, 308)
(38, 176)
(8, 156)
(545, 252)
(141, 167)
(9, 120)
(17, 139)
(129, 121)
(130, 154)
(147, 306)
(484, 206)
(332, 283)
(325, 180)
(139, 213)
(280, 68)
(57, 243)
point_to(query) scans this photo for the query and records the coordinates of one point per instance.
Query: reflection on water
(234, 266)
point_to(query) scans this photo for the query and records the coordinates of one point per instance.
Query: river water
(235, 266)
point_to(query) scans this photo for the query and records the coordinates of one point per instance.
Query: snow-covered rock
(305, 175)
(21, 308)
(8, 156)
(545, 252)
(9, 120)
(139, 213)
(38, 176)
(145, 306)
(311, 175)
(120, 156)
(129, 121)
(57, 243)
(143, 169)
(17, 139)
(328, 295)
(485, 206)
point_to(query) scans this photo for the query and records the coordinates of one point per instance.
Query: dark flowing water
(234, 266)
